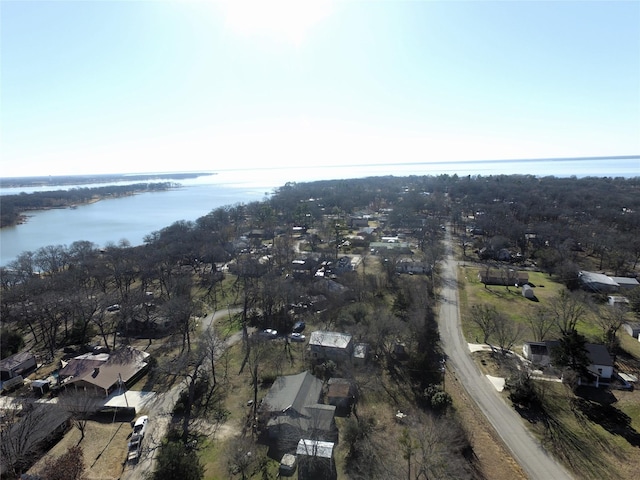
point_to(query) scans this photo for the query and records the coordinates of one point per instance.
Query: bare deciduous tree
(24, 428)
(483, 317)
(610, 319)
(80, 405)
(506, 332)
(541, 323)
(567, 310)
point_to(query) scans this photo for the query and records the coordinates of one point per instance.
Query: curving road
(526, 450)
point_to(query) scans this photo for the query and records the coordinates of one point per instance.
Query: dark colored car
(299, 327)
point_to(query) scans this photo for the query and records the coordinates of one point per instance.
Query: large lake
(132, 218)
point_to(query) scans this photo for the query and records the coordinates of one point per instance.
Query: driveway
(526, 450)
(160, 408)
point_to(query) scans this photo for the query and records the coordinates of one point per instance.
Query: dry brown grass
(494, 460)
(104, 447)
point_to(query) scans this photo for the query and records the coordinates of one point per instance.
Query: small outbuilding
(288, 465)
(527, 292)
(40, 387)
(617, 301)
(20, 364)
(316, 460)
(632, 329)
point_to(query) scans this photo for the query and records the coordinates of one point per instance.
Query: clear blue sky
(132, 86)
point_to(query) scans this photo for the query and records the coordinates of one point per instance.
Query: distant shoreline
(66, 180)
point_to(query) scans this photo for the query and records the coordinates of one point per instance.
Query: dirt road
(526, 450)
(160, 408)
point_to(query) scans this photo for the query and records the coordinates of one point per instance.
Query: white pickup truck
(135, 443)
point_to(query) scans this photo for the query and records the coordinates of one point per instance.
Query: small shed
(632, 329)
(527, 292)
(360, 353)
(288, 465)
(40, 387)
(20, 364)
(617, 300)
(315, 460)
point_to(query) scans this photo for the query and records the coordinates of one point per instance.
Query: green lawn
(509, 301)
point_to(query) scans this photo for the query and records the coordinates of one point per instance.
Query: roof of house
(599, 355)
(122, 364)
(330, 339)
(626, 281)
(15, 360)
(313, 418)
(293, 391)
(315, 448)
(590, 278)
(339, 390)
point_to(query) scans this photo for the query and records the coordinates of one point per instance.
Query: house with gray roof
(292, 410)
(601, 363)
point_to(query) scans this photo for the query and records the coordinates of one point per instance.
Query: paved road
(160, 409)
(526, 450)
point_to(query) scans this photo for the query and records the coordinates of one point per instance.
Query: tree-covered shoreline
(15, 207)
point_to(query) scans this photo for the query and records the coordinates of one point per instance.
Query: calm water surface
(128, 218)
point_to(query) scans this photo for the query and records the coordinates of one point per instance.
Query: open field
(506, 300)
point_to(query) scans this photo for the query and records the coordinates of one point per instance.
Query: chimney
(96, 371)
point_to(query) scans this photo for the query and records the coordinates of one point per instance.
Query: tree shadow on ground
(613, 420)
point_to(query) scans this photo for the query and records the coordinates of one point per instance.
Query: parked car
(140, 426)
(296, 337)
(113, 308)
(299, 327)
(270, 333)
(135, 443)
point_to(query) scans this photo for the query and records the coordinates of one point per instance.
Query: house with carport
(104, 373)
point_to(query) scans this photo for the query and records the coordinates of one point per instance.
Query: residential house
(291, 410)
(19, 364)
(412, 265)
(334, 346)
(601, 363)
(395, 247)
(597, 282)
(505, 277)
(315, 460)
(103, 373)
(358, 222)
(303, 266)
